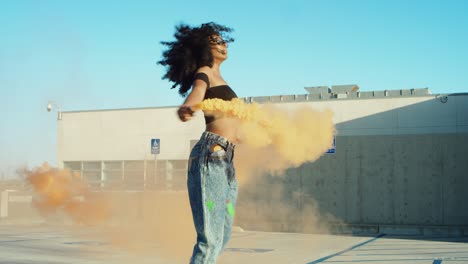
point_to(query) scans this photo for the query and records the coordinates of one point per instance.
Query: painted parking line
(249, 250)
(410, 248)
(346, 250)
(409, 260)
(402, 254)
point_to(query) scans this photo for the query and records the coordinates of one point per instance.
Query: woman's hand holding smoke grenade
(185, 113)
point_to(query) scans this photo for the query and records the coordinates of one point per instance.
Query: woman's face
(218, 47)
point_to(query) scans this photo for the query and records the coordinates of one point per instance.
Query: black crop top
(223, 92)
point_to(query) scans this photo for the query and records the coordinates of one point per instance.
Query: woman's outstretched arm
(195, 97)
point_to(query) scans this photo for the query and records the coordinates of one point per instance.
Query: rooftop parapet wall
(319, 93)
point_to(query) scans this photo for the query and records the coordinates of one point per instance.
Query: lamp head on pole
(51, 105)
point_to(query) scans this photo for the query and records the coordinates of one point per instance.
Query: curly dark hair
(190, 51)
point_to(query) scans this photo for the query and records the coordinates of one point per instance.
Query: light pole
(51, 105)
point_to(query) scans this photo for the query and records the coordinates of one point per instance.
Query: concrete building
(401, 157)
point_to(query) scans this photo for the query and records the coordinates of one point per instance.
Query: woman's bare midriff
(225, 127)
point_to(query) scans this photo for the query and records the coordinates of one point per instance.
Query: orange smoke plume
(275, 139)
(234, 108)
(59, 191)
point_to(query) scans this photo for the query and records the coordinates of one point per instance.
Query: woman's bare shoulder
(206, 70)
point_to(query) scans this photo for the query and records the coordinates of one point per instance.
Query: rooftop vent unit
(318, 89)
(344, 89)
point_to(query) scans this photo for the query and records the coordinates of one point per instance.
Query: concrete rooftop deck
(37, 244)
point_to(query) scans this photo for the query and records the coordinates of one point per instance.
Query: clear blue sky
(102, 54)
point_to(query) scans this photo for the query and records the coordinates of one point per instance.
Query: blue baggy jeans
(212, 189)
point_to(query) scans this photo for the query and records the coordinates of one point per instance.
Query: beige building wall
(400, 160)
(125, 134)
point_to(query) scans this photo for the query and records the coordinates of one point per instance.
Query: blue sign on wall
(332, 149)
(155, 145)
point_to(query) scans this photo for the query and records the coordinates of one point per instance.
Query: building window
(134, 174)
(112, 174)
(156, 175)
(92, 173)
(178, 174)
(193, 142)
(74, 167)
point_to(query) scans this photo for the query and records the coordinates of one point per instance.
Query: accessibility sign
(332, 149)
(155, 145)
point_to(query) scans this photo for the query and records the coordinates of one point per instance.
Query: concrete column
(4, 204)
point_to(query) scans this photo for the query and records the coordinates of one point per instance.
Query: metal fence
(131, 174)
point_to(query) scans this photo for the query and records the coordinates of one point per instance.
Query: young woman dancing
(193, 63)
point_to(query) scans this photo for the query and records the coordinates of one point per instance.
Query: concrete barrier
(16, 204)
(3, 204)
